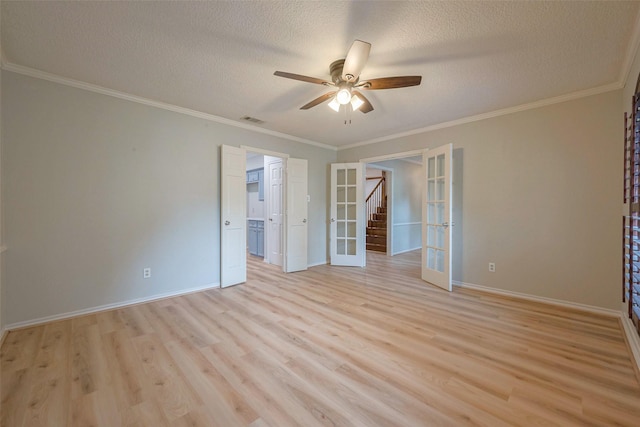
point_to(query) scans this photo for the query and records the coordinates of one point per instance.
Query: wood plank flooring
(330, 346)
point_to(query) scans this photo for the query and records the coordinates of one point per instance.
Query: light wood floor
(330, 346)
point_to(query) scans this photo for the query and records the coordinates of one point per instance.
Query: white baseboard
(567, 304)
(3, 335)
(318, 263)
(97, 309)
(633, 339)
(628, 328)
(406, 250)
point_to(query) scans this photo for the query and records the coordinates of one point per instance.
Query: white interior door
(275, 214)
(347, 228)
(233, 211)
(436, 217)
(296, 218)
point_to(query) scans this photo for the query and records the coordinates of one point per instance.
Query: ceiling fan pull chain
(347, 114)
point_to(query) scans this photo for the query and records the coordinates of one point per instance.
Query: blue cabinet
(255, 237)
(252, 176)
(257, 175)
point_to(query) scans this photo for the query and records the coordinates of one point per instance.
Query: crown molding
(32, 72)
(491, 114)
(630, 55)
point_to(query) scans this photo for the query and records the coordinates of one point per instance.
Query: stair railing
(375, 199)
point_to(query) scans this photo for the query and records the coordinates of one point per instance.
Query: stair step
(376, 231)
(382, 209)
(377, 224)
(378, 240)
(379, 217)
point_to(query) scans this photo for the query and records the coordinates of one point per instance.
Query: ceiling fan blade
(366, 106)
(355, 61)
(390, 82)
(318, 100)
(302, 78)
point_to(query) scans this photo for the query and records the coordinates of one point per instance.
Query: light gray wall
(370, 184)
(96, 188)
(406, 199)
(255, 162)
(540, 197)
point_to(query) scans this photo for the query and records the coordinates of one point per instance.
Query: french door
(347, 246)
(436, 217)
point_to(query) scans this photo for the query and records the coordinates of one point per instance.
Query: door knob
(445, 224)
(304, 220)
(227, 223)
(333, 220)
(270, 219)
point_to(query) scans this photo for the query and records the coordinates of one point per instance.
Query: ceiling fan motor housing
(335, 69)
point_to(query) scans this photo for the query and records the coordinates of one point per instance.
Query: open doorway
(419, 209)
(431, 186)
(394, 210)
(236, 212)
(265, 207)
(377, 207)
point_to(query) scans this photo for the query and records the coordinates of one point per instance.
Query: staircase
(377, 218)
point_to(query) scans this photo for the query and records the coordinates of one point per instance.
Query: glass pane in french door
(435, 214)
(346, 211)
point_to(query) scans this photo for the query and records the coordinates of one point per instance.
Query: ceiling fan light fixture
(343, 96)
(335, 105)
(356, 102)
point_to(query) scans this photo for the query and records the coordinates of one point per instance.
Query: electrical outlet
(146, 273)
(492, 267)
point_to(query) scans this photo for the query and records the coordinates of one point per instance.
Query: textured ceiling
(219, 57)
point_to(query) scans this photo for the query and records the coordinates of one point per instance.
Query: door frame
(392, 156)
(414, 153)
(284, 158)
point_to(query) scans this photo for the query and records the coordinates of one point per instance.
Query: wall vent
(252, 120)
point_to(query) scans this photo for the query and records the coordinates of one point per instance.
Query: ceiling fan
(345, 78)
